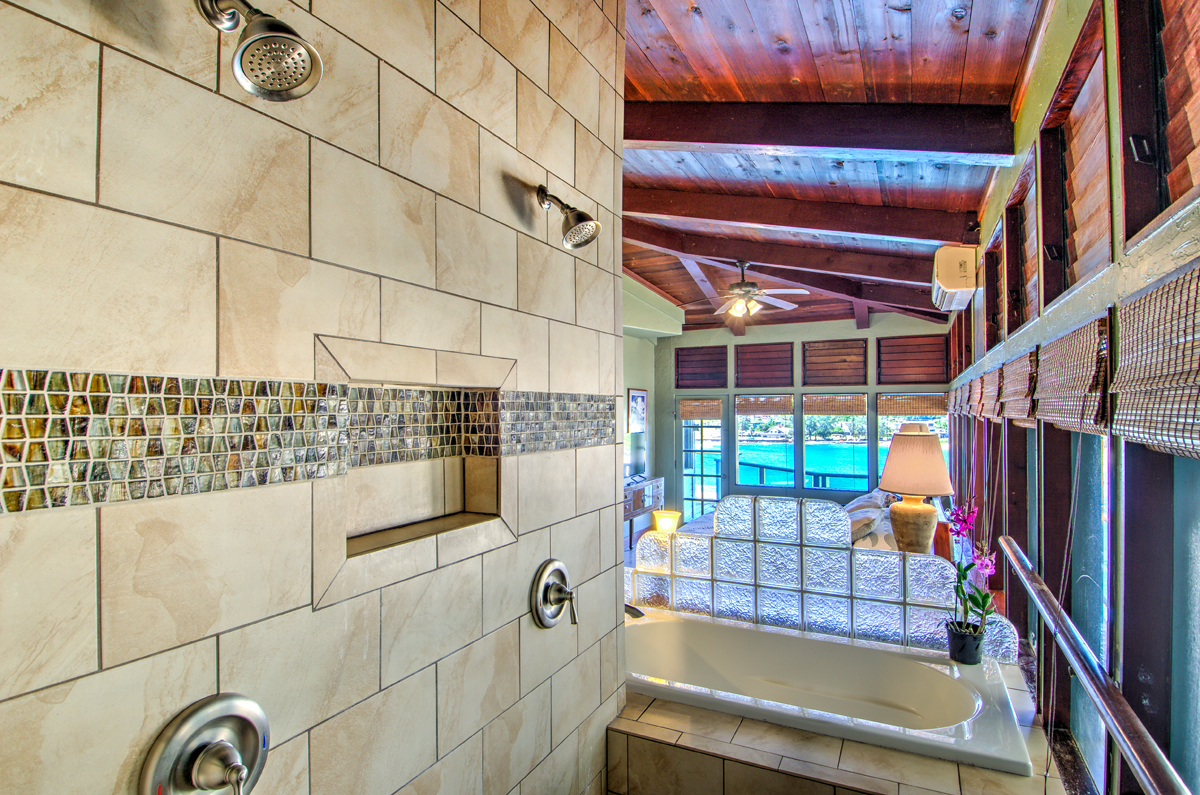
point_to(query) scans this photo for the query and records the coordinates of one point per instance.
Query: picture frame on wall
(639, 400)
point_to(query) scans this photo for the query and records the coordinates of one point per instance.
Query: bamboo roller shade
(709, 409)
(958, 399)
(1158, 375)
(933, 405)
(975, 398)
(1020, 378)
(990, 406)
(764, 405)
(765, 365)
(1072, 380)
(701, 367)
(1085, 134)
(1180, 38)
(835, 405)
(835, 363)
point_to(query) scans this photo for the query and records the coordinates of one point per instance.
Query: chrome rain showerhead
(271, 62)
(578, 228)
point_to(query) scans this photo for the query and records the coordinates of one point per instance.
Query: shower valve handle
(558, 593)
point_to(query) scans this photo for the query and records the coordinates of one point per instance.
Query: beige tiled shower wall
(155, 218)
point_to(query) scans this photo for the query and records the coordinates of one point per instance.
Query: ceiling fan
(747, 298)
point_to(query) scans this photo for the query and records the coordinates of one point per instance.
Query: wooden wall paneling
(940, 32)
(835, 363)
(764, 365)
(912, 360)
(1055, 461)
(1016, 521)
(885, 34)
(781, 33)
(1085, 139)
(996, 43)
(1148, 593)
(1180, 40)
(702, 367)
(1030, 256)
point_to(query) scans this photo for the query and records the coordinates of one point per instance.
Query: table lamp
(915, 469)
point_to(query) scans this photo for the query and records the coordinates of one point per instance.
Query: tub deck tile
(980, 781)
(842, 779)
(718, 726)
(656, 768)
(785, 741)
(647, 730)
(730, 751)
(900, 766)
(635, 705)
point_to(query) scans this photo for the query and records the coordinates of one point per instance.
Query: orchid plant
(973, 600)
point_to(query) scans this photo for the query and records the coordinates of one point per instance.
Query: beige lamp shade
(915, 464)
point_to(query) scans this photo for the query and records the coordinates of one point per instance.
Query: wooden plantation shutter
(835, 405)
(1181, 39)
(931, 405)
(1158, 374)
(1072, 380)
(1085, 135)
(835, 363)
(990, 402)
(1020, 378)
(700, 409)
(913, 360)
(766, 365)
(702, 368)
(764, 405)
(1029, 255)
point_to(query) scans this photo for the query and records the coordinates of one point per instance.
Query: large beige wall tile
(545, 130)
(345, 109)
(597, 41)
(476, 256)
(593, 297)
(470, 370)
(598, 602)
(574, 359)
(174, 571)
(593, 167)
(660, 769)
(520, 33)
(370, 219)
(428, 617)
(612, 664)
(468, 542)
(380, 362)
(91, 735)
(141, 297)
(519, 336)
(429, 319)
(592, 742)
(273, 303)
(574, 83)
(508, 183)
(460, 772)
(177, 152)
(305, 666)
(550, 496)
(608, 116)
(475, 78)
(545, 651)
(47, 599)
(606, 245)
(576, 542)
(507, 573)
(171, 35)
(398, 31)
(287, 773)
(748, 778)
(557, 773)
(427, 140)
(466, 10)
(380, 745)
(564, 14)
(595, 473)
(516, 741)
(475, 685)
(611, 532)
(609, 351)
(387, 496)
(574, 693)
(545, 280)
(49, 106)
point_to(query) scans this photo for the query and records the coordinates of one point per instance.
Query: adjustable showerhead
(271, 62)
(579, 228)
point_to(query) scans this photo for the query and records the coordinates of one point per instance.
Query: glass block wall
(790, 563)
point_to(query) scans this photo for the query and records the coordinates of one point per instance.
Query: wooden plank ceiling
(833, 144)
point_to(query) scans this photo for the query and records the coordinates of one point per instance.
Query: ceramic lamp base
(913, 524)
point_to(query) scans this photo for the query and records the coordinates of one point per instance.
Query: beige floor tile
(646, 730)
(520, 33)
(786, 741)
(725, 750)
(905, 768)
(475, 78)
(979, 781)
(635, 705)
(400, 33)
(843, 780)
(743, 779)
(659, 769)
(691, 720)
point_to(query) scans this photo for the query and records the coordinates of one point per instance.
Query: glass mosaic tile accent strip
(81, 438)
(815, 581)
(532, 422)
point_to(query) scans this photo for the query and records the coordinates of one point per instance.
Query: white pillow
(863, 521)
(872, 500)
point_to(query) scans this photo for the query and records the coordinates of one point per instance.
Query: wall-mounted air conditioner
(953, 277)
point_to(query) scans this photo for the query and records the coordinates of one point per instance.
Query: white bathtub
(869, 692)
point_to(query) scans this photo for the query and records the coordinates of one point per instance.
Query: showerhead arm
(548, 200)
(226, 15)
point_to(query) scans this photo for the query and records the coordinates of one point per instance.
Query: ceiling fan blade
(693, 303)
(725, 306)
(786, 291)
(766, 299)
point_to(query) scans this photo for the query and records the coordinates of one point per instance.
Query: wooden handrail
(1149, 765)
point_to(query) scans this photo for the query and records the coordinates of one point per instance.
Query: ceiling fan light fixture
(753, 306)
(739, 308)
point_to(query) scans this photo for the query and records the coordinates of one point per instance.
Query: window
(763, 366)
(913, 360)
(895, 410)
(700, 423)
(835, 363)
(766, 441)
(835, 442)
(701, 368)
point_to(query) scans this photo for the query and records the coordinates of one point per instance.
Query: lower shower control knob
(218, 766)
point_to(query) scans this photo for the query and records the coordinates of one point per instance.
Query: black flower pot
(965, 647)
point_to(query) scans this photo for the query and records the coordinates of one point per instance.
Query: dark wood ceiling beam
(875, 267)
(966, 134)
(753, 211)
(849, 289)
(862, 315)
